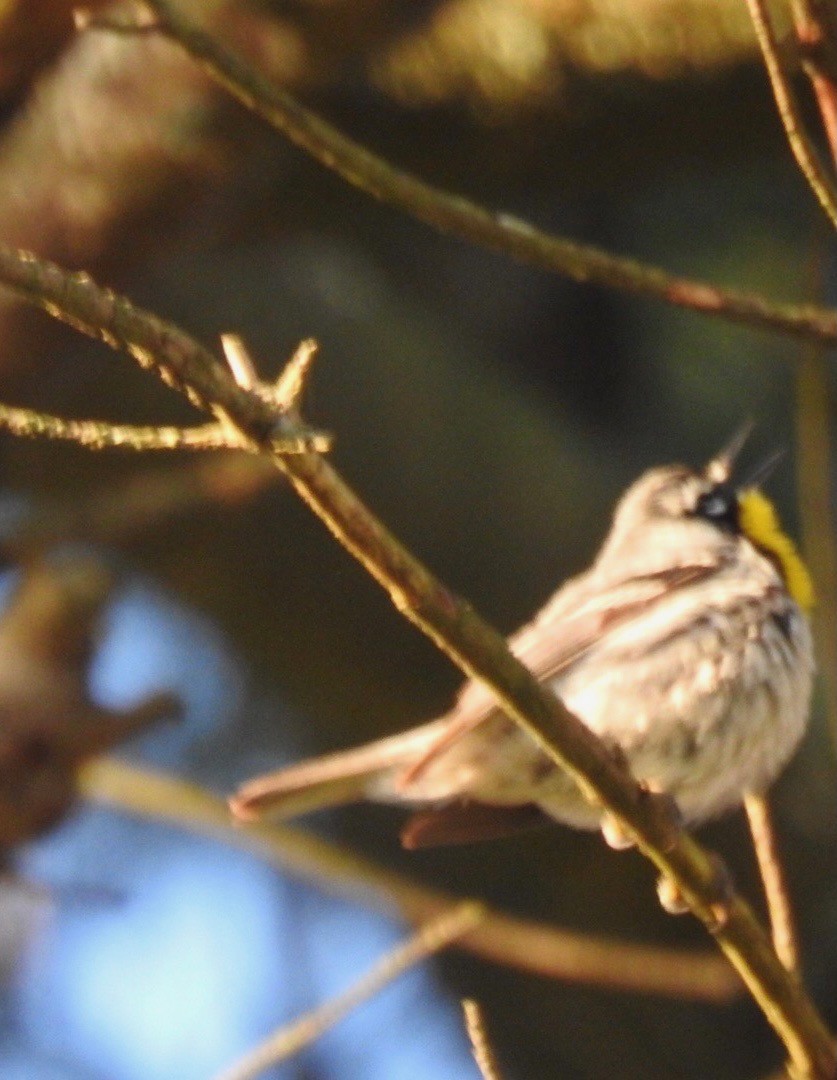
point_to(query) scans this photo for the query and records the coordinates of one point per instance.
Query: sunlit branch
(814, 472)
(766, 846)
(481, 1047)
(456, 215)
(806, 154)
(99, 434)
(816, 31)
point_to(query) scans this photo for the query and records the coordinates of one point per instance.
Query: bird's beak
(719, 469)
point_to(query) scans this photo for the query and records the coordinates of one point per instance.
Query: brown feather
(466, 822)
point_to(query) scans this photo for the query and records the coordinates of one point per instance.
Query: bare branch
(816, 31)
(288, 1041)
(99, 434)
(285, 394)
(458, 216)
(239, 361)
(290, 385)
(530, 946)
(142, 22)
(176, 358)
(480, 1046)
(806, 154)
(765, 843)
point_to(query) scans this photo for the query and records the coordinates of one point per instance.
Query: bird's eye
(720, 506)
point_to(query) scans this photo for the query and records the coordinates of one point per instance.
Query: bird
(685, 647)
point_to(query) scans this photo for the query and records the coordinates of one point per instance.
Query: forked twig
(290, 1040)
(765, 843)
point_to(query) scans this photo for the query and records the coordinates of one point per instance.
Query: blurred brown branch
(534, 947)
(109, 129)
(814, 448)
(100, 434)
(431, 938)
(454, 214)
(480, 1046)
(106, 127)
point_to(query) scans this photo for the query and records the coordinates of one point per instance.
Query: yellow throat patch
(760, 524)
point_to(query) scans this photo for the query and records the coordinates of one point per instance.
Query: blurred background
(489, 412)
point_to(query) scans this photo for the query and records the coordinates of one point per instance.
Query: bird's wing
(554, 641)
(558, 638)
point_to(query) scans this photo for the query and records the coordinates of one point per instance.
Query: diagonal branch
(456, 215)
(481, 1047)
(474, 646)
(176, 358)
(806, 154)
(816, 31)
(289, 1041)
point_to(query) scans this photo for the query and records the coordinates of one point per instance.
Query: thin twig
(530, 946)
(481, 1047)
(100, 434)
(290, 1040)
(173, 356)
(91, 19)
(765, 843)
(801, 144)
(456, 215)
(816, 30)
(475, 647)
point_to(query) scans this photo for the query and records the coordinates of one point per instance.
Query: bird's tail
(368, 772)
